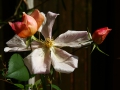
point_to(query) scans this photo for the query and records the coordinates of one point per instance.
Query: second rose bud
(100, 34)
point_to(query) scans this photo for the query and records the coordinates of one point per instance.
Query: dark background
(103, 68)
(105, 71)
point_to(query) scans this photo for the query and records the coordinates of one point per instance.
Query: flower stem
(43, 81)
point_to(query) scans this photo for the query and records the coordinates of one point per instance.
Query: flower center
(48, 42)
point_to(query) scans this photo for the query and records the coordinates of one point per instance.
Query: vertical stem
(43, 81)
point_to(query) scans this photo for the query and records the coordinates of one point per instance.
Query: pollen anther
(48, 42)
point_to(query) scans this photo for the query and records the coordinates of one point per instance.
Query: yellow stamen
(48, 42)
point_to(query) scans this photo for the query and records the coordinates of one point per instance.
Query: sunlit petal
(27, 27)
(17, 44)
(16, 49)
(38, 62)
(63, 61)
(72, 39)
(47, 28)
(39, 17)
(40, 28)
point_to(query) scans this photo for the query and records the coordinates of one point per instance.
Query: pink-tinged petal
(27, 27)
(19, 28)
(13, 25)
(38, 62)
(31, 24)
(47, 28)
(40, 28)
(16, 49)
(39, 17)
(16, 41)
(72, 39)
(62, 61)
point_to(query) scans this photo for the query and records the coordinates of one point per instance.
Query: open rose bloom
(48, 52)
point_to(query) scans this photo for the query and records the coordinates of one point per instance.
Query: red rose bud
(100, 34)
(29, 24)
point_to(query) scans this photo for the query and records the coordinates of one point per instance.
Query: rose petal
(38, 62)
(47, 28)
(16, 44)
(39, 17)
(100, 34)
(72, 39)
(16, 49)
(40, 28)
(20, 28)
(35, 45)
(31, 24)
(16, 41)
(62, 61)
(26, 28)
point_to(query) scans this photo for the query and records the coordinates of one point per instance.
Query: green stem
(43, 81)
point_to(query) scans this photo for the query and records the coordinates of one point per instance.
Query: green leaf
(17, 69)
(55, 87)
(19, 85)
(37, 82)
